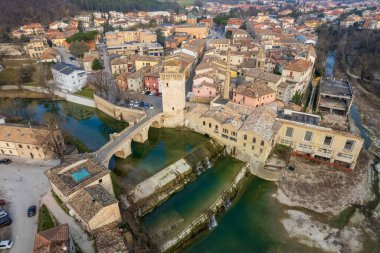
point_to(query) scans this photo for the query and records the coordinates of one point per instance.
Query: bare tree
(102, 82)
(51, 139)
(43, 76)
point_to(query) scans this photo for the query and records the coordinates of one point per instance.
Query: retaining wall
(118, 112)
(203, 220)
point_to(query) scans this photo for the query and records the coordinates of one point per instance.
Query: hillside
(14, 13)
(125, 5)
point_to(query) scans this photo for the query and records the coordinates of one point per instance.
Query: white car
(151, 107)
(152, 93)
(6, 244)
(142, 92)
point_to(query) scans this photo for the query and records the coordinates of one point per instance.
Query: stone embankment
(203, 220)
(155, 190)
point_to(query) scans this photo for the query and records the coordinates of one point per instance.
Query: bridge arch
(156, 124)
(138, 137)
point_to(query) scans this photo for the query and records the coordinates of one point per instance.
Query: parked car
(142, 92)
(2, 202)
(141, 104)
(72, 58)
(146, 106)
(6, 244)
(32, 211)
(159, 94)
(152, 93)
(136, 104)
(3, 214)
(151, 107)
(5, 161)
(5, 221)
(147, 92)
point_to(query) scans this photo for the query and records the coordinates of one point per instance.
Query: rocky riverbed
(316, 197)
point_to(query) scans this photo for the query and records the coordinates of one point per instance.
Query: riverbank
(25, 94)
(324, 189)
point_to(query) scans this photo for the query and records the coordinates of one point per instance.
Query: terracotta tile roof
(89, 201)
(109, 239)
(22, 134)
(298, 65)
(54, 240)
(253, 90)
(262, 75)
(62, 177)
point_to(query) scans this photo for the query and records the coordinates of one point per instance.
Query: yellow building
(304, 134)
(122, 37)
(197, 31)
(36, 47)
(119, 65)
(142, 61)
(28, 142)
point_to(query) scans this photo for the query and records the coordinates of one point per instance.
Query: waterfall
(199, 167)
(227, 203)
(208, 164)
(213, 223)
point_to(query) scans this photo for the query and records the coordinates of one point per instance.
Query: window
(28, 147)
(173, 108)
(289, 132)
(167, 85)
(349, 144)
(262, 143)
(209, 125)
(100, 181)
(308, 136)
(245, 137)
(7, 144)
(204, 123)
(19, 145)
(261, 150)
(327, 141)
(254, 140)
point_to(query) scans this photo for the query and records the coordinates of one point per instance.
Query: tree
(297, 98)
(229, 34)
(152, 23)
(43, 77)
(102, 82)
(52, 140)
(78, 48)
(107, 27)
(160, 37)
(92, 19)
(96, 65)
(80, 26)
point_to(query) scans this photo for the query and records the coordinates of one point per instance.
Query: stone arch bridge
(120, 143)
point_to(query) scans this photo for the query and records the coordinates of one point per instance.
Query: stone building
(94, 207)
(304, 134)
(29, 142)
(253, 94)
(173, 92)
(36, 47)
(67, 181)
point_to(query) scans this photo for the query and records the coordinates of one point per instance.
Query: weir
(196, 206)
(156, 189)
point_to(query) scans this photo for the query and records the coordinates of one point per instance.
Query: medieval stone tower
(260, 60)
(173, 93)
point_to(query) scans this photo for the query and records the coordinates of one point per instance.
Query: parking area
(152, 104)
(22, 184)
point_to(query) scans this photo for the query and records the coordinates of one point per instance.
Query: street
(23, 183)
(65, 57)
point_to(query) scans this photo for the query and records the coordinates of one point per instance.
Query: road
(106, 59)
(76, 231)
(23, 183)
(65, 57)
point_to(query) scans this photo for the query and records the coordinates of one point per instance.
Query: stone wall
(203, 220)
(118, 112)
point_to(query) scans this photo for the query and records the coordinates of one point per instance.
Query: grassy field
(86, 92)
(185, 3)
(45, 220)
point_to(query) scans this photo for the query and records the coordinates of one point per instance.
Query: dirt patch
(22, 94)
(324, 189)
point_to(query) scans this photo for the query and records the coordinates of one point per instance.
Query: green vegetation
(282, 152)
(297, 98)
(115, 185)
(82, 36)
(96, 65)
(220, 20)
(16, 76)
(78, 48)
(45, 220)
(86, 92)
(160, 37)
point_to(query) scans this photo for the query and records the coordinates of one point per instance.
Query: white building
(68, 77)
